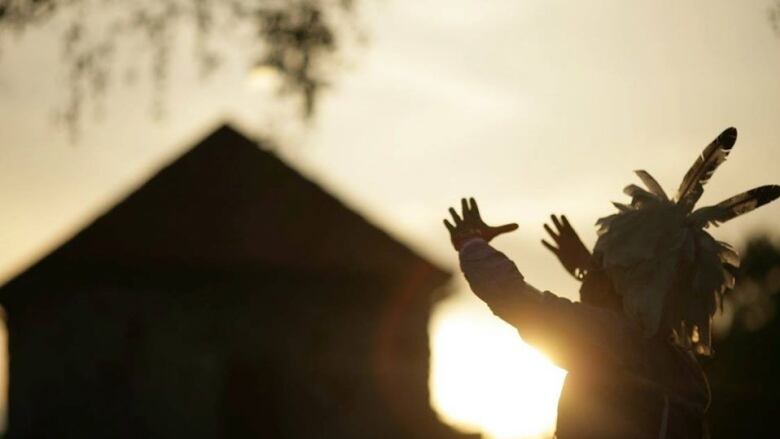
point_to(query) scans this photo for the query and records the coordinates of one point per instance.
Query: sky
(532, 107)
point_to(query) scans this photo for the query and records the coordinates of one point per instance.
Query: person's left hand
(471, 225)
(570, 250)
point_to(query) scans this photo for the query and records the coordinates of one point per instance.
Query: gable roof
(227, 205)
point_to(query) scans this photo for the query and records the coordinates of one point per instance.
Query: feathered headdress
(669, 271)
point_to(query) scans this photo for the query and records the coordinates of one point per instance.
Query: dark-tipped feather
(697, 176)
(736, 205)
(652, 184)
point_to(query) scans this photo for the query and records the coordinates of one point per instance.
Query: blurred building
(227, 297)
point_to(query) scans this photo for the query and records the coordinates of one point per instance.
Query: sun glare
(485, 378)
(262, 78)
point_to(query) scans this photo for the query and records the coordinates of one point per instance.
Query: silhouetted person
(648, 292)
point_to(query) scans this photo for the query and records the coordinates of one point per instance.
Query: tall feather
(652, 184)
(697, 176)
(735, 206)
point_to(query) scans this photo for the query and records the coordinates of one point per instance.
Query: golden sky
(533, 107)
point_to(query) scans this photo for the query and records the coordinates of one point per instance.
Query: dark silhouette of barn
(227, 297)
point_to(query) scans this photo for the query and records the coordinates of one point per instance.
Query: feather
(639, 196)
(635, 191)
(605, 223)
(728, 281)
(704, 216)
(705, 165)
(652, 184)
(621, 207)
(728, 255)
(735, 206)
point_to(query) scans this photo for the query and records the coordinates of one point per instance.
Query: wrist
(467, 238)
(470, 241)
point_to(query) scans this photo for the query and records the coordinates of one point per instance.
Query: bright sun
(484, 378)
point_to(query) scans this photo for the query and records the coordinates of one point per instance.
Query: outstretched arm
(495, 279)
(574, 335)
(470, 235)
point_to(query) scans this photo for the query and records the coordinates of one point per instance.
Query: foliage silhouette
(295, 40)
(743, 372)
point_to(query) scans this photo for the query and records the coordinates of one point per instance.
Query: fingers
(552, 234)
(550, 247)
(556, 222)
(506, 228)
(474, 207)
(455, 217)
(449, 227)
(469, 209)
(569, 229)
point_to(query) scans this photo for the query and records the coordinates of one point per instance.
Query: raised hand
(471, 225)
(568, 247)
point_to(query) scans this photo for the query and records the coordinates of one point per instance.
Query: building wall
(219, 355)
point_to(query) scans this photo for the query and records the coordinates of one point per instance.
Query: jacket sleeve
(574, 335)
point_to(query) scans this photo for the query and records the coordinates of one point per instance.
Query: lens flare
(484, 378)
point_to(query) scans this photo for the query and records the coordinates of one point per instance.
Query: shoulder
(587, 337)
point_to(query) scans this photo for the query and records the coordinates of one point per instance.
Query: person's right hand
(471, 225)
(570, 250)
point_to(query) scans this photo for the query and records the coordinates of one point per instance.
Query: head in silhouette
(655, 255)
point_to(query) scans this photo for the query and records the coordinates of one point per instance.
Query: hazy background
(533, 107)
